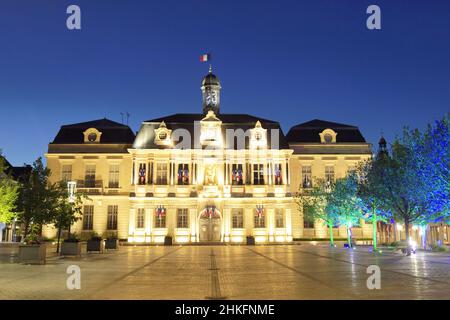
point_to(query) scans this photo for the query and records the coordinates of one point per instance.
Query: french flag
(205, 57)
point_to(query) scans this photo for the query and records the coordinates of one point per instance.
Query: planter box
(71, 249)
(250, 240)
(95, 246)
(111, 244)
(167, 241)
(32, 254)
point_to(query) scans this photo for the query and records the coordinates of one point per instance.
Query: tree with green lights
(343, 202)
(8, 193)
(371, 190)
(313, 202)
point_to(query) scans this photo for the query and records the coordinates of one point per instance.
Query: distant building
(202, 177)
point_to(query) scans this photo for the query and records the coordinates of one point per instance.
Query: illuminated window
(182, 218)
(306, 177)
(183, 174)
(140, 218)
(161, 173)
(111, 223)
(237, 219)
(329, 174)
(89, 176)
(279, 218)
(237, 174)
(113, 176)
(160, 218)
(142, 174)
(258, 174)
(88, 217)
(277, 178)
(259, 219)
(66, 173)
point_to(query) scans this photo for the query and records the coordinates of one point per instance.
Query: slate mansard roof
(308, 132)
(146, 136)
(112, 132)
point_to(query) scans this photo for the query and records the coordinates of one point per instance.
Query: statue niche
(210, 175)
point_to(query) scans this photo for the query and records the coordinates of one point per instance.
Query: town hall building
(202, 177)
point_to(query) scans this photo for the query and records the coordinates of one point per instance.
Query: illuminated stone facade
(206, 177)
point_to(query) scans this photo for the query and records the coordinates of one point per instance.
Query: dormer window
(210, 130)
(163, 135)
(92, 135)
(328, 136)
(258, 137)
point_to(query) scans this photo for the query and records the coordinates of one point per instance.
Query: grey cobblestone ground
(229, 272)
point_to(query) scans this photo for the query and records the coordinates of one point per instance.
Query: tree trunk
(25, 229)
(374, 225)
(59, 237)
(330, 225)
(408, 249)
(423, 233)
(349, 236)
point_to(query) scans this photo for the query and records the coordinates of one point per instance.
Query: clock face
(92, 137)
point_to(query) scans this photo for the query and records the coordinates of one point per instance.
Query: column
(284, 172)
(148, 225)
(271, 224)
(131, 225)
(288, 225)
(227, 225)
(193, 224)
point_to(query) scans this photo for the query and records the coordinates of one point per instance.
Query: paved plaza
(229, 272)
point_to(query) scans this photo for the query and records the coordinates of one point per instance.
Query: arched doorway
(210, 221)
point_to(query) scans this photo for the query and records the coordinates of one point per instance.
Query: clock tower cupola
(211, 92)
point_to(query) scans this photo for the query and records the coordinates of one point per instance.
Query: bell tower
(211, 93)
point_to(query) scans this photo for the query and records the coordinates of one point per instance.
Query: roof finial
(210, 68)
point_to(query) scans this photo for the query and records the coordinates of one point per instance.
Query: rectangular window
(308, 224)
(111, 223)
(113, 176)
(182, 218)
(277, 174)
(260, 220)
(279, 218)
(161, 173)
(183, 174)
(306, 177)
(237, 219)
(89, 176)
(66, 173)
(140, 218)
(329, 174)
(142, 174)
(160, 219)
(88, 217)
(237, 174)
(258, 174)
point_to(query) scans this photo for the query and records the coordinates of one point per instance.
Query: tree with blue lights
(431, 154)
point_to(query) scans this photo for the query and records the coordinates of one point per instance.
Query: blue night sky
(290, 61)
